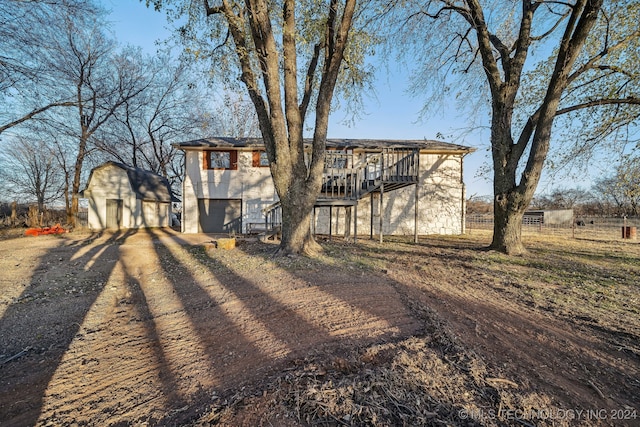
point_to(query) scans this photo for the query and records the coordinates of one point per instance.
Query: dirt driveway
(132, 326)
(153, 328)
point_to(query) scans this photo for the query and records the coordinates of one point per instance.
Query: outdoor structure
(549, 217)
(123, 196)
(397, 187)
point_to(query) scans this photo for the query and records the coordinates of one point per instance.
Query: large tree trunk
(507, 225)
(296, 225)
(297, 175)
(298, 189)
(504, 72)
(509, 202)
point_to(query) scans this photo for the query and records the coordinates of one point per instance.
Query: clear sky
(392, 113)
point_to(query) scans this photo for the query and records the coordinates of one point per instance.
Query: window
(260, 159)
(221, 160)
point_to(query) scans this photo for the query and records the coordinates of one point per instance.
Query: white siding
(253, 185)
(155, 214)
(112, 182)
(440, 205)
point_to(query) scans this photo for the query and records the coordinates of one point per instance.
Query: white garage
(122, 196)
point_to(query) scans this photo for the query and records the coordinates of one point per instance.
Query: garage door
(220, 215)
(114, 213)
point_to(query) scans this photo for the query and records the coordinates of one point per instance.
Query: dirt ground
(159, 328)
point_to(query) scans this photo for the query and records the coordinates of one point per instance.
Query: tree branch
(474, 15)
(236, 25)
(336, 43)
(555, 26)
(523, 42)
(581, 21)
(308, 82)
(591, 63)
(597, 102)
(212, 10)
(35, 113)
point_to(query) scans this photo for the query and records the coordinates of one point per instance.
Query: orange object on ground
(56, 229)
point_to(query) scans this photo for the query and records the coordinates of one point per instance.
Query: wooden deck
(348, 177)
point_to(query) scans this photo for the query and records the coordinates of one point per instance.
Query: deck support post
(330, 221)
(371, 218)
(381, 214)
(417, 199)
(313, 222)
(355, 222)
(347, 223)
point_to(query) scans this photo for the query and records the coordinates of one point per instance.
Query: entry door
(220, 215)
(114, 213)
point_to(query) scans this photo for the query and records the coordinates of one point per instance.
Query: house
(399, 187)
(122, 196)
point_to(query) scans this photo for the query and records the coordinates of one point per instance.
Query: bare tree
(236, 117)
(101, 81)
(171, 108)
(561, 198)
(28, 87)
(29, 169)
(622, 189)
(591, 68)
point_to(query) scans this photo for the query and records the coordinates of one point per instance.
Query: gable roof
(146, 185)
(425, 145)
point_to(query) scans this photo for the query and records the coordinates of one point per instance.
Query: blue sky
(392, 113)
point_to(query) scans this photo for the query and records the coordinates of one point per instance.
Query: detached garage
(122, 196)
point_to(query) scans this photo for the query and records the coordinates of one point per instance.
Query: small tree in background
(622, 189)
(30, 171)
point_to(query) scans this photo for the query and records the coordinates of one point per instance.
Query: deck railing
(344, 179)
(272, 216)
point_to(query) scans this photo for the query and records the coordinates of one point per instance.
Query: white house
(403, 187)
(123, 196)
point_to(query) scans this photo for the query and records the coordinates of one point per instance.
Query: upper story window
(260, 159)
(221, 160)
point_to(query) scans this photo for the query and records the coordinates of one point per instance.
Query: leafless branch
(35, 113)
(308, 83)
(598, 102)
(553, 27)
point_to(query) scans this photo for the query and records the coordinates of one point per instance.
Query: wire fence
(596, 228)
(28, 215)
(82, 219)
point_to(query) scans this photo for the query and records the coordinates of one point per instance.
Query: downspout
(184, 180)
(463, 216)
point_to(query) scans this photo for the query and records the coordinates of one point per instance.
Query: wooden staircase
(347, 179)
(271, 229)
